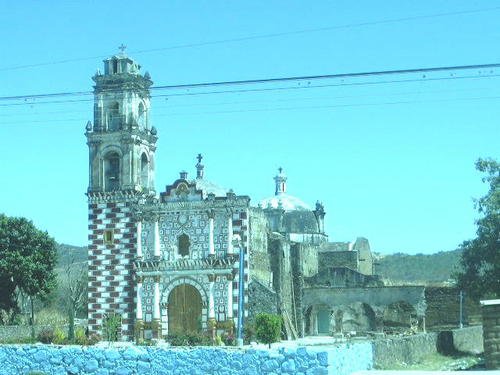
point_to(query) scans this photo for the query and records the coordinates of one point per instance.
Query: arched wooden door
(184, 309)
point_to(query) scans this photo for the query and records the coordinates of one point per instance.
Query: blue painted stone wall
(339, 360)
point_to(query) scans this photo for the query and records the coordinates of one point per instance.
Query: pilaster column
(156, 308)
(229, 296)
(230, 232)
(139, 239)
(139, 323)
(138, 308)
(212, 324)
(157, 238)
(211, 304)
(211, 246)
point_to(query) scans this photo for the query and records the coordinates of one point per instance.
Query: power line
(167, 105)
(294, 108)
(261, 36)
(159, 107)
(276, 80)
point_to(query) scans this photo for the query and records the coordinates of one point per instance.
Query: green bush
(111, 326)
(46, 335)
(59, 337)
(189, 339)
(93, 339)
(268, 328)
(227, 339)
(50, 317)
(80, 336)
(248, 332)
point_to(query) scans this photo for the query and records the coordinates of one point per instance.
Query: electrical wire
(294, 108)
(279, 80)
(261, 36)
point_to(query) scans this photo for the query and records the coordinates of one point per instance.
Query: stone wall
(341, 360)
(443, 307)
(491, 333)
(406, 349)
(304, 258)
(261, 299)
(342, 277)
(373, 296)
(260, 267)
(281, 266)
(467, 340)
(328, 259)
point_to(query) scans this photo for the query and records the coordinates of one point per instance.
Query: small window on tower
(184, 245)
(108, 237)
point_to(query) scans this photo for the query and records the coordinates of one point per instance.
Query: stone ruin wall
(443, 308)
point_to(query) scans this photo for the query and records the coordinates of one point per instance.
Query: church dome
(281, 199)
(286, 202)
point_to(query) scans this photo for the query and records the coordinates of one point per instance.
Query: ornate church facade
(197, 257)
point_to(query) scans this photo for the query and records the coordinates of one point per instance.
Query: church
(197, 257)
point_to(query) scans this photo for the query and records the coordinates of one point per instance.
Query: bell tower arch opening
(113, 119)
(111, 171)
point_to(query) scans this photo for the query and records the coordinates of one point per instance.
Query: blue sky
(393, 162)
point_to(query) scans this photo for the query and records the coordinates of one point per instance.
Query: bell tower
(122, 146)
(121, 141)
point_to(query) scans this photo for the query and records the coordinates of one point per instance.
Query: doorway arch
(184, 309)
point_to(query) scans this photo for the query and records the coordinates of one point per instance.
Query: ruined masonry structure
(197, 257)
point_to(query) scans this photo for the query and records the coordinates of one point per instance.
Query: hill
(70, 254)
(398, 268)
(419, 269)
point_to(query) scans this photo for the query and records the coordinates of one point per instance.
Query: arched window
(112, 171)
(184, 245)
(144, 170)
(114, 117)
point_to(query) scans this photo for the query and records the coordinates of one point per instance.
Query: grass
(439, 362)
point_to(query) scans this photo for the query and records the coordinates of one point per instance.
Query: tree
(27, 259)
(480, 261)
(267, 328)
(74, 290)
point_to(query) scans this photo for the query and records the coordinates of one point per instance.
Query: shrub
(46, 335)
(80, 336)
(50, 317)
(111, 326)
(227, 339)
(59, 337)
(248, 332)
(268, 328)
(189, 339)
(93, 339)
